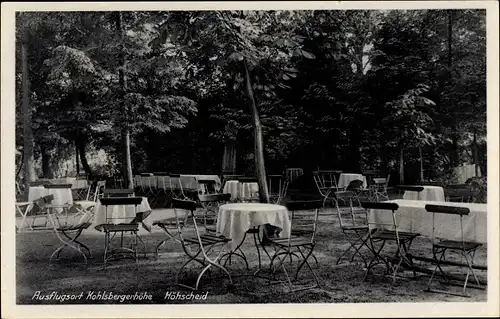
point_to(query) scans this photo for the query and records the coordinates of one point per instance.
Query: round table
(240, 190)
(429, 193)
(61, 195)
(234, 220)
(346, 178)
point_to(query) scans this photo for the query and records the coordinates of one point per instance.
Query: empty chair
(301, 246)
(112, 227)
(326, 183)
(465, 248)
(353, 224)
(389, 233)
(278, 186)
(164, 192)
(380, 188)
(204, 248)
(465, 195)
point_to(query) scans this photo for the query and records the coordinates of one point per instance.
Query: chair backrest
(347, 214)
(410, 188)
(114, 201)
(109, 192)
(211, 204)
(57, 186)
(452, 210)
(355, 185)
(381, 206)
(206, 186)
(460, 195)
(278, 186)
(300, 216)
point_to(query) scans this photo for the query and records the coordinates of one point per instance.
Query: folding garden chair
(164, 193)
(67, 229)
(24, 208)
(203, 243)
(78, 192)
(379, 189)
(466, 249)
(206, 187)
(464, 195)
(353, 225)
(356, 187)
(149, 187)
(84, 207)
(302, 245)
(278, 186)
(176, 187)
(326, 182)
(388, 233)
(111, 228)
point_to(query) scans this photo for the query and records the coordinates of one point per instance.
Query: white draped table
(412, 216)
(234, 220)
(121, 214)
(346, 178)
(61, 195)
(429, 193)
(240, 190)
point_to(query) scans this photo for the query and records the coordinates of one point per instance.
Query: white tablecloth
(121, 214)
(464, 172)
(412, 216)
(234, 220)
(61, 195)
(75, 183)
(433, 193)
(346, 178)
(240, 190)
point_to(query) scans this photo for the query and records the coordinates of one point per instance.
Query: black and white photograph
(222, 154)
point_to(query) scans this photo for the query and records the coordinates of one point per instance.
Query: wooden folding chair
(111, 228)
(164, 191)
(302, 244)
(67, 229)
(206, 187)
(379, 188)
(382, 235)
(462, 195)
(467, 249)
(86, 206)
(353, 225)
(278, 187)
(326, 183)
(176, 187)
(202, 243)
(24, 208)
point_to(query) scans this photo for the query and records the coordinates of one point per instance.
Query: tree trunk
(401, 166)
(125, 127)
(80, 148)
(28, 148)
(47, 172)
(421, 164)
(258, 140)
(229, 158)
(77, 159)
(455, 157)
(475, 154)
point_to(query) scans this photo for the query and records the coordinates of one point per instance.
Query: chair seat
(207, 239)
(168, 222)
(294, 241)
(74, 227)
(120, 227)
(391, 235)
(23, 203)
(355, 227)
(452, 244)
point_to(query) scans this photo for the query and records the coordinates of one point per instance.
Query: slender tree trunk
(77, 158)
(475, 154)
(125, 127)
(401, 166)
(455, 157)
(80, 147)
(258, 140)
(47, 172)
(28, 141)
(421, 164)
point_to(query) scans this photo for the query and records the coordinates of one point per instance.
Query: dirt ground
(343, 283)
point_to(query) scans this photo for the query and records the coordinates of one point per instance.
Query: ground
(339, 283)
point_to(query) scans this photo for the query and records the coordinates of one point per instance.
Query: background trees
(252, 92)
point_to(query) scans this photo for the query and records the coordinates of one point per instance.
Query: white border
(10, 310)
